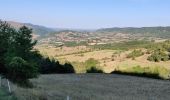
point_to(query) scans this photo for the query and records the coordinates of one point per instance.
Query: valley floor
(95, 87)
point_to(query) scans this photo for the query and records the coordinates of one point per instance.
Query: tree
(5, 38)
(20, 70)
(16, 47)
(23, 43)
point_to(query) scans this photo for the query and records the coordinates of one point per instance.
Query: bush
(94, 70)
(135, 53)
(90, 63)
(158, 56)
(66, 68)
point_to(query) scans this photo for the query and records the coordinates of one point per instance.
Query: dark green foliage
(94, 70)
(48, 66)
(23, 43)
(5, 34)
(135, 53)
(67, 68)
(15, 53)
(19, 69)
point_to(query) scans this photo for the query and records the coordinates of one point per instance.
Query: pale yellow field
(60, 51)
(98, 55)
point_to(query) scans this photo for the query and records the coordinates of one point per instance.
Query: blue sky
(87, 14)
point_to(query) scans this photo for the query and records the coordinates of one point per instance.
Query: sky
(87, 14)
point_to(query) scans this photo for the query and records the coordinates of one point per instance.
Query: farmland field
(94, 87)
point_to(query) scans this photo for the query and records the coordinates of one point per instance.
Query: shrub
(67, 68)
(158, 56)
(94, 70)
(90, 63)
(135, 53)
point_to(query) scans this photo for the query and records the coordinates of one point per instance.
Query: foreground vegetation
(93, 87)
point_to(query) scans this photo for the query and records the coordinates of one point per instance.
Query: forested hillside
(37, 29)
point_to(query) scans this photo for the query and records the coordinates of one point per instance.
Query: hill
(37, 29)
(160, 32)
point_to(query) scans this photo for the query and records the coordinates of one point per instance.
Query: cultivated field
(94, 87)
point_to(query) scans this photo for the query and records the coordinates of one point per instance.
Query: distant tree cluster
(50, 66)
(159, 51)
(135, 53)
(158, 56)
(19, 61)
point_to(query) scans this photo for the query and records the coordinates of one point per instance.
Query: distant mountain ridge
(37, 29)
(115, 29)
(162, 32)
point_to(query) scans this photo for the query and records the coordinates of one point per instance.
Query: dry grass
(98, 55)
(52, 51)
(109, 59)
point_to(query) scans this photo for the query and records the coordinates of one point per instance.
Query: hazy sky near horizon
(87, 14)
